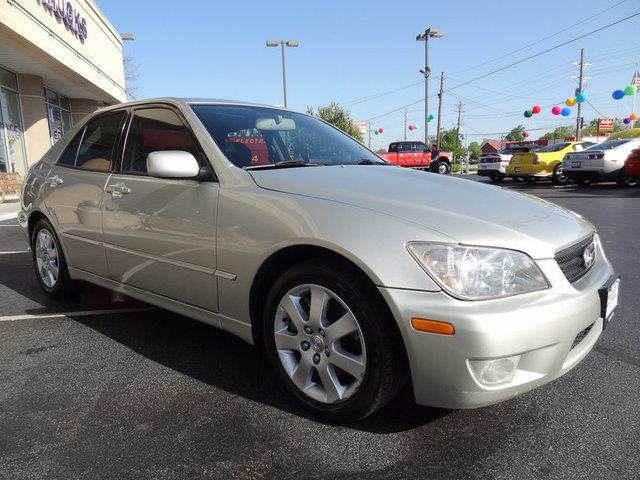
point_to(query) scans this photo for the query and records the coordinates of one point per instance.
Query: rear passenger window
(153, 130)
(100, 135)
(69, 156)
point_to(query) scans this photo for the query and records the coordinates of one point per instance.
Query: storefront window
(58, 113)
(12, 148)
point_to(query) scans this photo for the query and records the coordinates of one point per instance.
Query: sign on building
(605, 125)
(363, 127)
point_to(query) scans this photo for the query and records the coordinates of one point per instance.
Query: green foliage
(475, 151)
(339, 118)
(515, 135)
(450, 142)
(560, 133)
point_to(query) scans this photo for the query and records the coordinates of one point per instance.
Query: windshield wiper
(285, 164)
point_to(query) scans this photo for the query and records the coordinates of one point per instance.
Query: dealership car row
(583, 162)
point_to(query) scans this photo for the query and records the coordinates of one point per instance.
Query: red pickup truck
(416, 155)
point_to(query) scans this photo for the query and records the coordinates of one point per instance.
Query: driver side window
(153, 130)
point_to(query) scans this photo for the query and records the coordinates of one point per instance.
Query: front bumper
(540, 327)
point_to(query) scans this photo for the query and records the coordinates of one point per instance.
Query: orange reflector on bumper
(432, 326)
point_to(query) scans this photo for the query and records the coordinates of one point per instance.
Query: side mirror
(172, 164)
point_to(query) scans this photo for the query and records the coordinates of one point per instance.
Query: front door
(159, 233)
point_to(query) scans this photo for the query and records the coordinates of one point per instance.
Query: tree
(339, 118)
(515, 135)
(475, 151)
(450, 142)
(131, 77)
(559, 133)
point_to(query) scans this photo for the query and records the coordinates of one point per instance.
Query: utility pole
(459, 108)
(405, 125)
(440, 99)
(581, 78)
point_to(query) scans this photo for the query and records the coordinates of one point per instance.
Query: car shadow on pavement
(225, 362)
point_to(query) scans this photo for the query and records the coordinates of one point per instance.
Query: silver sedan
(353, 275)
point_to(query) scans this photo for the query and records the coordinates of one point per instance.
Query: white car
(493, 165)
(601, 163)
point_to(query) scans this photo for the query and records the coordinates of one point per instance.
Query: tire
(49, 262)
(558, 177)
(497, 178)
(517, 179)
(627, 181)
(531, 180)
(442, 167)
(378, 357)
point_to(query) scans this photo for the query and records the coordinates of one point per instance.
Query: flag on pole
(636, 81)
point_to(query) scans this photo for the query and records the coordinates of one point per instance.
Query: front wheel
(328, 336)
(627, 181)
(49, 263)
(442, 167)
(559, 178)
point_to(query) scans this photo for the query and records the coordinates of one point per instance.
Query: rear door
(75, 191)
(159, 233)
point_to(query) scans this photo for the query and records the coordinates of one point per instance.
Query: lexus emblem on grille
(589, 255)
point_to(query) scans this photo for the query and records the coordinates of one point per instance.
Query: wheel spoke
(286, 341)
(291, 305)
(348, 362)
(332, 387)
(302, 374)
(318, 310)
(342, 327)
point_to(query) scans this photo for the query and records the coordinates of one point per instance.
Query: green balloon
(528, 113)
(629, 90)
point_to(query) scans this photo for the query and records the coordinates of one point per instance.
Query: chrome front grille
(571, 260)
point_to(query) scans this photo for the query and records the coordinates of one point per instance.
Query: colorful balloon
(381, 130)
(617, 94)
(630, 90)
(626, 121)
(565, 112)
(416, 126)
(410, 127)
(375, 132)
(536, 109)
(581, 97)
(525, 134)
(633, 116)
(528, 113)
(556, 110)
(570, 102)
(430, 117)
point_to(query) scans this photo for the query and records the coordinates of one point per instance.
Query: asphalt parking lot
(104, 387)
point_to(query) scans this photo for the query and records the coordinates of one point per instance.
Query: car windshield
(552, 148)
(510, 150)
(609, 144)
(257, 137)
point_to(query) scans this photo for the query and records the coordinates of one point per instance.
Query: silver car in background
(603, 162)
(349, 272)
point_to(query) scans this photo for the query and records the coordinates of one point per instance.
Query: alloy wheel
(47, 259)
(319, 343)
(560, 176)
(442, 168)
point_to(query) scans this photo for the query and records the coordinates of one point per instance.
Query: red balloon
(556, 110)
(536, 109)
(381, 130)
(410, 127)
(525, 134)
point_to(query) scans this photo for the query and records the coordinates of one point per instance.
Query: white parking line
(14, 252)
(81, 313)
(12, 225)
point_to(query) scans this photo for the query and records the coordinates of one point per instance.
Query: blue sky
(354, 50)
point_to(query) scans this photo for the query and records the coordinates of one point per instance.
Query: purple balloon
(626, 120)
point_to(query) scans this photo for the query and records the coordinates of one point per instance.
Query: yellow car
(543, 162)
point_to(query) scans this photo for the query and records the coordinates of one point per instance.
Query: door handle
(55, 181)
(118, 189)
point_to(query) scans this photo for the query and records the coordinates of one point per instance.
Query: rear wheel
(559, 178)
(329, 338)
(49, 263)
(442, 167)
(627, 181)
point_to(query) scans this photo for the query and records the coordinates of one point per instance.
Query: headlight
(478, 273)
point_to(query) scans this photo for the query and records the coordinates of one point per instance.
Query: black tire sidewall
(555, 178)
(370, 319)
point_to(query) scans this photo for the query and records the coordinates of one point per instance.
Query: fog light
(494, 371)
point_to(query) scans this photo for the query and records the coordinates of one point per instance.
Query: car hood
(468, 212)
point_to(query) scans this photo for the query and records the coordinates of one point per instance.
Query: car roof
(188, 101)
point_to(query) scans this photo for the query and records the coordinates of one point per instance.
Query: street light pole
(424, 37)
(282, 44)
